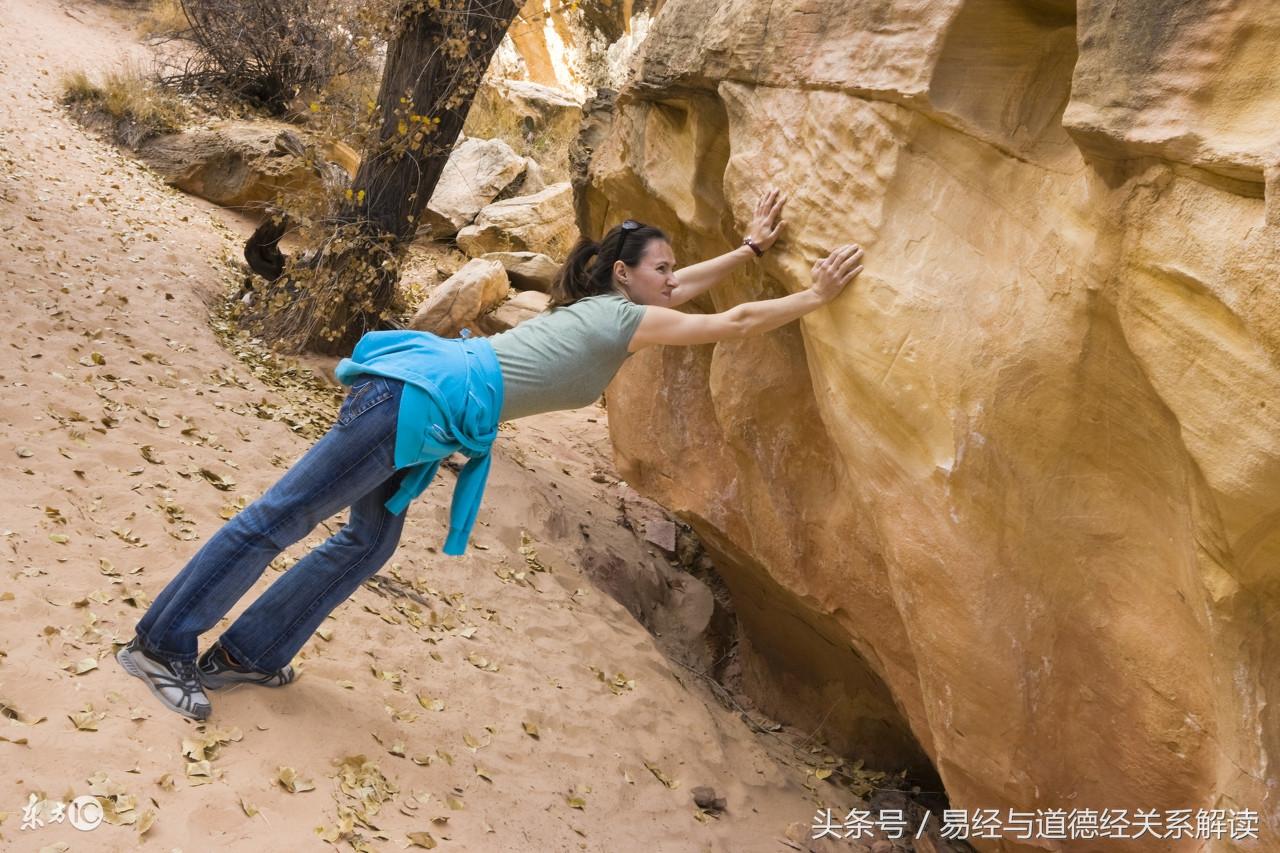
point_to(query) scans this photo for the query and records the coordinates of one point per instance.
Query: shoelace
(186, 670)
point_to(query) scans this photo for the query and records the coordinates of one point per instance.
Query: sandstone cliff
(1010, 507)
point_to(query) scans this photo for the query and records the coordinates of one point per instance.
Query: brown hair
(581, 276)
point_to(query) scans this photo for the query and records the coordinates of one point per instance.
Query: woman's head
(633, 258)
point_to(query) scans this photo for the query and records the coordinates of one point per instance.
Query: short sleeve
(628, 315)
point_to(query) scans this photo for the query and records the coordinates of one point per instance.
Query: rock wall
(573, 47)
(1011, 505)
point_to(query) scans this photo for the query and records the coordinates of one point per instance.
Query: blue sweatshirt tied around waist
(450, 404)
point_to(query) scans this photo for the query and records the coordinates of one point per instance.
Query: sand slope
(106, 277)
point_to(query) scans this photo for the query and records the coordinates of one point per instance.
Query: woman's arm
(693, 280)
(766, 224)
(665, 326)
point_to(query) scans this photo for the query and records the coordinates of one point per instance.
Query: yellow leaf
(531, 730)
(85, 665)
(292, 782)
(661, 777)
(422, 839)
(87, 720)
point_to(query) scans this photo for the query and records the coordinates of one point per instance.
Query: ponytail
(588, 271)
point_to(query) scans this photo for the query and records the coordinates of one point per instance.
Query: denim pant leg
(353, 458)
(272, 630)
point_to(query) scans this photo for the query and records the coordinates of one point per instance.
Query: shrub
(268, 52)
(137, 108)
(163, 18)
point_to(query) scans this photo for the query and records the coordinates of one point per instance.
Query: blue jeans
(353, 464)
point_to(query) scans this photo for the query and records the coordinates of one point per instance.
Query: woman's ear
(620, 271)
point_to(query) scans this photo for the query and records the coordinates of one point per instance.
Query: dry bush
(134, 106)
(163, 18)
(270, 52)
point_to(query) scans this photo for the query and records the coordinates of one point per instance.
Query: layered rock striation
(1009, 508)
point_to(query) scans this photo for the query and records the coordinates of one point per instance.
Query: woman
(415, 399)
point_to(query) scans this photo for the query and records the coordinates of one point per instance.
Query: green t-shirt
(564, 358)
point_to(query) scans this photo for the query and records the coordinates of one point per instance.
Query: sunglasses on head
(627, 227)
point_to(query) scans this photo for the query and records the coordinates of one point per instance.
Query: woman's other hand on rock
(766, 221)
(836, 270)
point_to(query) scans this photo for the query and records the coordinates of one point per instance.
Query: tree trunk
(345, 285)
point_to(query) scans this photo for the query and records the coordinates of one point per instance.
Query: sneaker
(217, 671)
(175, 683)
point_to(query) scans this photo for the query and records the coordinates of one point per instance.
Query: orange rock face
(1010, 506)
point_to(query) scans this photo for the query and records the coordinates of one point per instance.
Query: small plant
(163, 19)
(137, 107)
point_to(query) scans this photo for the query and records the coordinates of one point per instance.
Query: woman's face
(651, 281)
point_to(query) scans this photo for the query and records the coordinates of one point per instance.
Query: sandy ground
(415, 712)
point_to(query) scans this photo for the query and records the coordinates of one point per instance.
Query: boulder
(535, 178)
(248, 164)
(517, 309)
(537, 120)
(542, 222)
(1006, 509)
(477, 171)
(459, 300)
(527, 270)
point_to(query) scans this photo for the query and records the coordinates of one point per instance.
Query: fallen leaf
(7, 710)
(87, 720)
(85, 665)
(226, 484)
(661, 777)
(292, 782)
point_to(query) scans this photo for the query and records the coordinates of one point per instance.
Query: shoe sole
(125, 659)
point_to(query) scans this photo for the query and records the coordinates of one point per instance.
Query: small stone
(662, 534)
(706, 798)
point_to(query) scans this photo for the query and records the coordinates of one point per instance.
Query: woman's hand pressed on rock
(835, 271)
(766, 223)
